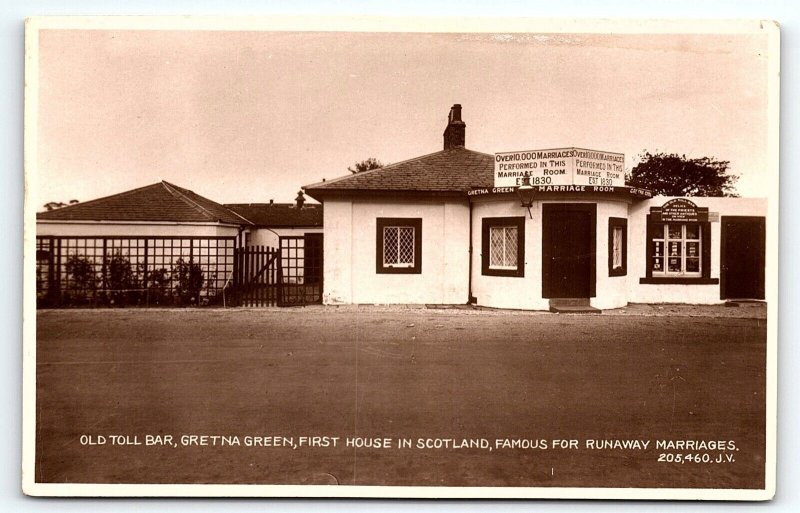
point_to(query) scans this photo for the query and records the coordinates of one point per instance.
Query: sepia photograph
(396, 257)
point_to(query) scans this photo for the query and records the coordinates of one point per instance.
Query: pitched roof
(452, 170)
(278, 215)
(158, 202)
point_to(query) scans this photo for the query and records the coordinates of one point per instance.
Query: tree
(366, 165)
(52, 205)
(676, 175)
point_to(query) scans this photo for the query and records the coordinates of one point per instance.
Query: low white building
(449, 228)
(163, 244)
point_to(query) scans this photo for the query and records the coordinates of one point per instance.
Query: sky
(247, 116)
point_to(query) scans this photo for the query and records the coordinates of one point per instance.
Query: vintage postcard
(395, 257)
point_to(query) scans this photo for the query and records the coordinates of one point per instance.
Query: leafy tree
(365, 165)
(53, 205)
(677, 175)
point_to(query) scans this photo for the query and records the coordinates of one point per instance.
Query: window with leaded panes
(617, 246)
(503, 246)
(398, 245)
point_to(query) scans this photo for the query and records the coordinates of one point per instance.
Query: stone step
(573, 306)
(570, 301)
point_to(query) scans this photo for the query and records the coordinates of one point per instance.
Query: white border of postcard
(390, 24)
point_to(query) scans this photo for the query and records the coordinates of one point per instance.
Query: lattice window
(398, 246)
(503, 247)
(617, 238)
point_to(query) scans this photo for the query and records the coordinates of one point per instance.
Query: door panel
(743, 257)
(568, 250)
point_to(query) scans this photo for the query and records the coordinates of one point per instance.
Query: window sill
(679, 281)
(514, 273)
(399, 270)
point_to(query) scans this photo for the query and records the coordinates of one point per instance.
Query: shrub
(189, 281)
(121, 279)
(157, 285)
(83, 277)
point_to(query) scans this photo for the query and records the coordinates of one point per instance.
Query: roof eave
(321, 194)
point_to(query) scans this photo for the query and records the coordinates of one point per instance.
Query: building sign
(563, 166)
(623, 191)
(680, 210)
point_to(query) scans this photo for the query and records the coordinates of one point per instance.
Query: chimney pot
(300, 199)
(455, 133)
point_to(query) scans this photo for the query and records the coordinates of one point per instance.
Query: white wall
(269, 237)
(526, 292)
(110, 229)
(507, 291)
(611, 290)
(693, 294)
(337, 251)
(350, 248)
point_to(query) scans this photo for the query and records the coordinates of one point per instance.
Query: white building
(163, 244)
(448, 228)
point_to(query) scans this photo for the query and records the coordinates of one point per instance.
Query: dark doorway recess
(568, 250)
(742, 257)
(313, 258)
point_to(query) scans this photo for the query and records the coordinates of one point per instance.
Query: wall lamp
(525, 193)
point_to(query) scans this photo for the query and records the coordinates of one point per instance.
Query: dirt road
(481, 397)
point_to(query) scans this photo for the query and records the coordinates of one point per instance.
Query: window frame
(399, 222)
(683, 242)
(704, 277)
(613, 223)
(494, 222)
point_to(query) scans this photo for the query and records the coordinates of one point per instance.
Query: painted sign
(680, 210)
(626, 191)
(562, 166)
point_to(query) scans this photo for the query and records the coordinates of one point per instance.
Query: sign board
(562, 166)
(680, 210)
(621, 191)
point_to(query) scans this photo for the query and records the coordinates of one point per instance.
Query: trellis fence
(133, 271)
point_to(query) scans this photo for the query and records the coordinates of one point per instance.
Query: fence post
(51, 279)
(58, 274)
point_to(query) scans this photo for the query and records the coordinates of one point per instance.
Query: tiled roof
(276, 215)
(453, 170)
(158, 202)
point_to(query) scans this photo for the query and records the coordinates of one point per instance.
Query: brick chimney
(455, 133)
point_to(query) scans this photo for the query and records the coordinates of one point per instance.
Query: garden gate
(289, 275)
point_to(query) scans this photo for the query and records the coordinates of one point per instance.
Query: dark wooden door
(312, 260)
(568, 250)
(743, 257)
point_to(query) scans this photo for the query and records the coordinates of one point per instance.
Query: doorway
(742, 258)
(568, 250)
